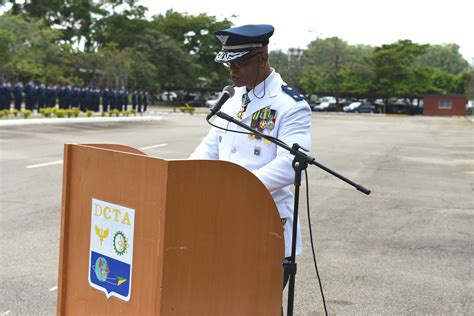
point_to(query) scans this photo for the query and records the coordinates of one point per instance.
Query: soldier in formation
(18, 95)
(5, 96)
(37, 96)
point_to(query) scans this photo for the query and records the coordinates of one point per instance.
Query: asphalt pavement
(407, 248)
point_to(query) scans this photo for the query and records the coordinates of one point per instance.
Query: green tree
(324, 62)
(77, 18)
(443, 57)
(469, 90)
(6, 43)
(173, 66)
(194, 35)
(357, 78)
(144, 73)
(396, 75)
(109, 67)
(32, 49)
(123, 28)
(464, 82)
(279, 60)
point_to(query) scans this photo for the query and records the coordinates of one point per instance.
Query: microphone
(227, 93)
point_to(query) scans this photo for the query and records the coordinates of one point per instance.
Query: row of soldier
(35, 97)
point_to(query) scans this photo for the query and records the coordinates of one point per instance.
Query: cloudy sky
(372, 22)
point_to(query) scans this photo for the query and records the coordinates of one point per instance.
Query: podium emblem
(111, 249)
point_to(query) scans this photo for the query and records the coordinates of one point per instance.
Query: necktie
(243, 107)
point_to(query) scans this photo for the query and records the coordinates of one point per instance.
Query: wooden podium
(207, 237)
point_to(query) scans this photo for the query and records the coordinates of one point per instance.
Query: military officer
(145, 100)
(105, 100)
(51, 96)
(30, 96)
(134, 99)
(75, 97)
(4, 105)
(41, 93)
(125, 100)
(18, 95)
(62, 97)
(112, 97)
(265, 102)
(68, 98)
(140, 101)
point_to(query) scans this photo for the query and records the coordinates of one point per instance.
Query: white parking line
(60, 161)
(153, 146)
(54, 288)
(45, 164)
(5, 313)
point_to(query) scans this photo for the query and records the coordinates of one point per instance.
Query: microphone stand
(300, 163)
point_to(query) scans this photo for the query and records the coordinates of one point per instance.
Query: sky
(369, 22)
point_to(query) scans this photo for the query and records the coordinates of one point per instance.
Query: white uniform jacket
(279, 114)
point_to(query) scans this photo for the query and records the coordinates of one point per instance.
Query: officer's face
(243, 72)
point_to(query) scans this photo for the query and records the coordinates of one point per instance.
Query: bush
(89, 113)
(187, 109)
(133, 111)
(26, 113)
(14, 112)
(69, 112)
(4, 113)
(104, 113)
(47, 112)
(76, 111)
(115, 112)
(61, 113)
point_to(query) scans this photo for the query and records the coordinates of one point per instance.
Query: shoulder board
(292, 92)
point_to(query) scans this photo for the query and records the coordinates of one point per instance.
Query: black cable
(312, 244)
(228, 130)
(256, 78)
(276, 140)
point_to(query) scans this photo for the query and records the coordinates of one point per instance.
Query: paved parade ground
(405, 249)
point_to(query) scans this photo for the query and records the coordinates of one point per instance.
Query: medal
(257, 150)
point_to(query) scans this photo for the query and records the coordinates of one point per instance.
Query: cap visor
(227, 56)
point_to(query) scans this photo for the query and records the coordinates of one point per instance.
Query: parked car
(331, 107)
(194, 100)
(367, 108)
(321, 107)
(351, 107)
(168, 96)
(397, 109)
(212, 100)
(470, 107)
(313, 105)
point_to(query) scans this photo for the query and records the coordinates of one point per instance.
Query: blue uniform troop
(119, 100)
(140, 101)
(112, 100)
(40, 96)
(125, 100)
(18, 95)
(145, 101)
(62, 97)
(82, 99)
(75, 97)
(134, 100)
(5, 96)
(96, 97)
(105, 100)
(30, 96)
(51, 96)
